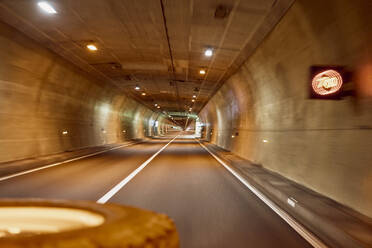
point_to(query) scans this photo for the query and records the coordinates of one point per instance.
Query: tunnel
(247, 122)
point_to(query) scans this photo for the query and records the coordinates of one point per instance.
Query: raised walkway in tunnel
(211, 208)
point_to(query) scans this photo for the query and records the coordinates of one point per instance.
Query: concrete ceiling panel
(156, 44)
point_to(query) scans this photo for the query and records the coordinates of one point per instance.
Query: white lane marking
(126, 180)
(63, 162)
(300, 229)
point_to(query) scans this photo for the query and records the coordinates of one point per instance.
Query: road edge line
(299, 228)
(62, 162)
(127, 179)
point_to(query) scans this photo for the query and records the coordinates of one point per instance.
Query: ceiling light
(193, 100)
(137, 87)
(92, 47)
(202, 71)
(143, 93)
(208, 52)
(194, 96)
(158, 107)
(189, 110)
(47, 7)
(155, 104)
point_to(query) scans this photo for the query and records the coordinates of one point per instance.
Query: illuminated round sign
(327, 82)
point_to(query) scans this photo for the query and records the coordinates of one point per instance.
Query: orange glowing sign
(327, 82)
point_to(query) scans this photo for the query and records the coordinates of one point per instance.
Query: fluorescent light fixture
(47, 7)
(92, 47)
(137, 87)
(143, 93)
(292, 202)
(265, 141)
(202, 71)
(208, 52)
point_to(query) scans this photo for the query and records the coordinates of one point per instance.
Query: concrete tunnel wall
(324, 145)
(42, 95)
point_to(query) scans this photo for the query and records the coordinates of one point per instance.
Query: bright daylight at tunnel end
(184, 123)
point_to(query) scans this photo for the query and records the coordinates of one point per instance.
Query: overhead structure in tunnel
(167, 55)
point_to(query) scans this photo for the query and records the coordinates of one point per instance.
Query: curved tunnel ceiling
(157, 45)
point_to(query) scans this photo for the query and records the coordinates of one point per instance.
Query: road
(211, 208)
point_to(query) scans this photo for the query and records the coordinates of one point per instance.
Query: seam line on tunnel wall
(126, 180)
(300, 229)
(64, 162)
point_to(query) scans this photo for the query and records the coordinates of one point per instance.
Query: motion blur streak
(211, 208)
(291, 221)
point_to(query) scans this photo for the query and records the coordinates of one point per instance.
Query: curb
(319, 223)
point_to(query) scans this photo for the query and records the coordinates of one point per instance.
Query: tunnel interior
(234, 74)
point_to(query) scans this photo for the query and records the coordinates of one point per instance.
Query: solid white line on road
(300, 229)
(126, 180)
(63, 162)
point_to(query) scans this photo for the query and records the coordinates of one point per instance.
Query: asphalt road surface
(210, 207)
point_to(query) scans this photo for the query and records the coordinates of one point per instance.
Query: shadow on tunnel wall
(48, 106)
(263, 113)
